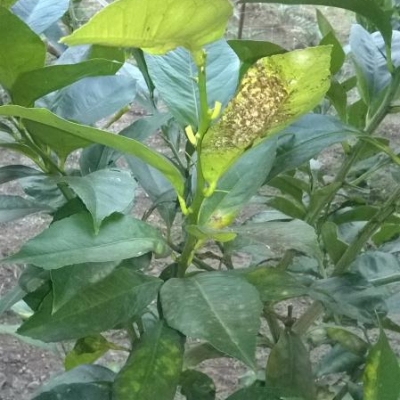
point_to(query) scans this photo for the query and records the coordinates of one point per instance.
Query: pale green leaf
(156, 26)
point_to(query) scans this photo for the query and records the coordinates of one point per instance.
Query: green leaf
(87, 350)
(7, 3)
(153, 368)
(65, 136)
(173, 75)
(157, 26)
(257, 392)
(104, 192)
(81, 374)
(286, 86)
(305, 138)
(371, 64)
(11, 172)
(338, 97)
(276, 237)
(329, 37)
(73, 241)
(198, 353)
(21, 50)
(338, 55)
(10, 298)
(337, 360)
(289, 366)
(382, 372)
(272, 284)
(333, 245)
(15, 207)
(118, 297)
(250, 51)
(347, 340)
(69, 281)
(34, 84)
(289, 207)
(40, 14)
(350, 295)
(367, 8)
(217, 307)
(196, 385)
(73, 391)
(238, 185)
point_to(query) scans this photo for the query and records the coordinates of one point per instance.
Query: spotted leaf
(274, 92)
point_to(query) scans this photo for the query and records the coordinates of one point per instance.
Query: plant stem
(190, 246)
(372, 125)
(388, 208)
(273, 324)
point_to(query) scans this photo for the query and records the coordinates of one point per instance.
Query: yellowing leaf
(272, 94)
(156, 26)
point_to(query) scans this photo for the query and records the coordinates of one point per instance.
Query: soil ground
(24, 368)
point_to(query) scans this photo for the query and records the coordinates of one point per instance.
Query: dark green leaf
(337, 360)
(258, 392)
(289, 366)
(249, 51)
(10, 298)
(338, 97)
(218, 307)
(298, 143)
(323, 24)
(277, 237)
(350, 295)
(81, 391)
(290, 185)
(68, 136)
(87, 350)
(338, 55)
(273, 285)
(40, 14)
(107, 53)
(289, 207)
(21, 50)
(357, 114)
(382, 372)
(200, 352)
(68, 282)
(174, 76)
(11, 172)
(120, 296)
(81, 374)
(32, 278)
(15, 207)
(104, 192)
(153, 368)
(196, 385)
(238, 185)
(34, 84)
(73, 241)
(347, 340)
(333, 245)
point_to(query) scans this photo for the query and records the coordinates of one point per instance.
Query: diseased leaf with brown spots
(272, 94)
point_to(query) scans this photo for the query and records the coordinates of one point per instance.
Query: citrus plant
(240, 122)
